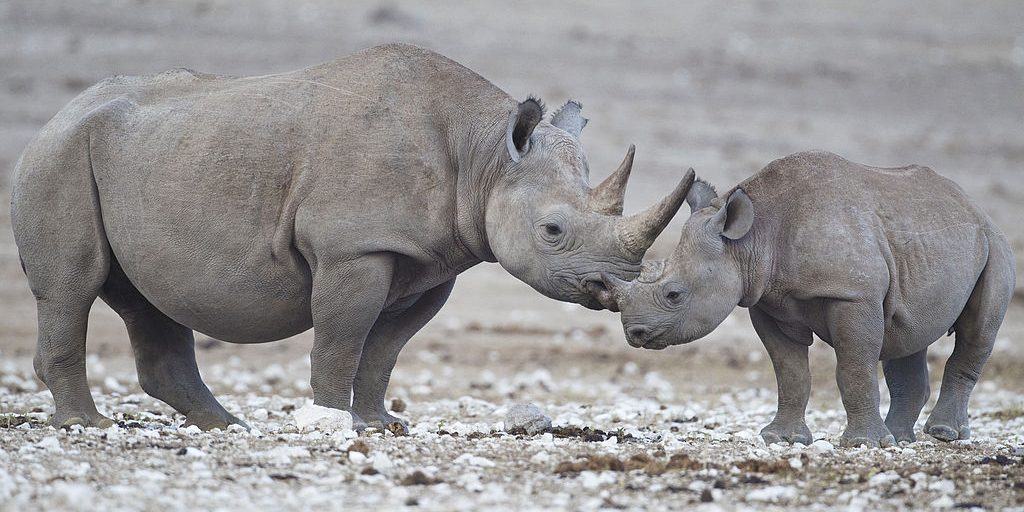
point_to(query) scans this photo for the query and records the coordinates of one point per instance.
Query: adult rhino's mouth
(595, 288)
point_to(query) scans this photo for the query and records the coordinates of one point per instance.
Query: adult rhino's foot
(902, 433)
(68, 420)
(211, 419)
(947, 430)
(872, 436)
(786, 432)
(383, 421)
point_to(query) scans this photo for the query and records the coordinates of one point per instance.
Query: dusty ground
(722, 87)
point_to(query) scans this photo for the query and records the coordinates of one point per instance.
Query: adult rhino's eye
(553, 229)
(673, 294)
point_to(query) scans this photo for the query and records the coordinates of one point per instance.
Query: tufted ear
(521, 123)
(569, 118)
(700, 195)
(734, 219)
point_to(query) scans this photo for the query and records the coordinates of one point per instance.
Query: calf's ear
(521, 123)
(734, 219)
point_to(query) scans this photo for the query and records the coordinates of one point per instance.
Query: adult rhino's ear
(570, 119)
(735, 218)
(700, 195)
(521, 123)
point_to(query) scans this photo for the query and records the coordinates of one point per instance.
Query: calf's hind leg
(165, 356)
(975, 335)
(907, 379)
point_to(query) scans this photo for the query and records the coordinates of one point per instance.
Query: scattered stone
(419, 478)
(526, 419)
(50, 444)
(398, 405)
(325, 419)
(773, 494)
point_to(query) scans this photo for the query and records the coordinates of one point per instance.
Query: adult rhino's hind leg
(165, 356)
(56, 220)
(975, 335)
(380, 353)
(907, 379)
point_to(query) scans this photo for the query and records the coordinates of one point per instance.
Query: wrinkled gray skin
(879, 263)
(344, 197)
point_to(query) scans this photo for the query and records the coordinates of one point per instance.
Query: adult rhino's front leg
(380, 353)
(789, 359)
(347, 299)
(857, 331)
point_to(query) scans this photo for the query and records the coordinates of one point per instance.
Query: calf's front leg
(856, 334)
(789, 359)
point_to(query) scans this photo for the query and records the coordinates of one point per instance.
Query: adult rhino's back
(199, 177)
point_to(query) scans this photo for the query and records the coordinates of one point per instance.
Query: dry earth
(722, 87)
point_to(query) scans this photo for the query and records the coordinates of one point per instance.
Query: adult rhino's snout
(597, 289)
(637, 232)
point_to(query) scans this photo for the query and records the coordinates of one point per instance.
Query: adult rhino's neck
(754, 255)
(477, 139)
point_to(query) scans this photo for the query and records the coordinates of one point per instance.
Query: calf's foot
(947, 426)
(209, 419)
(787, 432)
(902, 434)
(86, 419)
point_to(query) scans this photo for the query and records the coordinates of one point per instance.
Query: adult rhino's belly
(226, 285)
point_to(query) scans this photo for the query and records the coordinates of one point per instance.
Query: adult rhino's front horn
(607, 197)
(637, 232)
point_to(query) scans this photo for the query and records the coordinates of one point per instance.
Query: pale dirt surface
(722, 87)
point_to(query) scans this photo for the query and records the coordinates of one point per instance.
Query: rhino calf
(877, 262)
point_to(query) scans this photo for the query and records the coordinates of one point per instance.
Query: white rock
(195, 453)
(382, 463)
(315, 417)
(796, 463)
(885, 478)
(943, 486)
(356, 457)
(191, 430)
(526, 418)
(50, 444)
(821, 446)
(470, 482)
(592, 480)
(540, 458)
(235, 428)
(772, 494)
(260, 414)
(7, 485)
(943, 501)
(473, 460)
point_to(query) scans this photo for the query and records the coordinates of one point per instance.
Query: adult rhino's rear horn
(637, 232)
(607, 197)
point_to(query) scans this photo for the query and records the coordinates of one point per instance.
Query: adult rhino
(344, 197)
